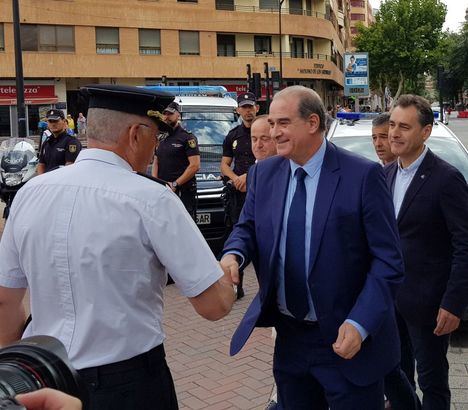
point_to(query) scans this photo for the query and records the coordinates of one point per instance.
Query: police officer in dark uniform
(177, 160)
(60, 148)
(237, 146)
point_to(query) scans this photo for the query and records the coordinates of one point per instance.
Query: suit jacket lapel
(418, 181)
(328, 182)
(391, 176)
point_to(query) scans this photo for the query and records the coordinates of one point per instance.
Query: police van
(209, 112)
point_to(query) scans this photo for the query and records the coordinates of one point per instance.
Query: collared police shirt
(173, 153)
(57, 151)
(238, 145)
(92, 242)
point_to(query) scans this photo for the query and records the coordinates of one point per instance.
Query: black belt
(144, 360)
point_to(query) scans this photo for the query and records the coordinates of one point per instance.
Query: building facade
(70, 43)
(361, 12)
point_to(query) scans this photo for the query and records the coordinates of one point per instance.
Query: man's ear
(314, 122)
(427, 130)
(133, 137)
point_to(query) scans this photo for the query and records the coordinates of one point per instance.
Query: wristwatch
(174, 184)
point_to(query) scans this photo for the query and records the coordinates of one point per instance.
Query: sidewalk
(206, 377)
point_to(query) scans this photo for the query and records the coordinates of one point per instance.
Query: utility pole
(280, 4)
(267, 86)
(20, 107)
(440, 83)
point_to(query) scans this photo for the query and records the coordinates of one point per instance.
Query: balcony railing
(256, 9)
(276, 54)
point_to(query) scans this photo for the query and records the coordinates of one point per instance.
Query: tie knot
(300, 174)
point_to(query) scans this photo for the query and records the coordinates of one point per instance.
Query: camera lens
(34, 363)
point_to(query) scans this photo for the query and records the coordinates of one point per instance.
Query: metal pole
(280, 4)
(440, 82)
(267, 86)
(20, 107)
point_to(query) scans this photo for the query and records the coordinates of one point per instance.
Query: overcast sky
(455, 12)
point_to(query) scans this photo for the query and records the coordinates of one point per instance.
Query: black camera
(32, 364)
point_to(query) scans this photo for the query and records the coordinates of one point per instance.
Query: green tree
(403, 43)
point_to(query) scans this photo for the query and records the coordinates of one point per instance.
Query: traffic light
(257, 85)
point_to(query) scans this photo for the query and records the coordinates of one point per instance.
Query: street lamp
(280, 4)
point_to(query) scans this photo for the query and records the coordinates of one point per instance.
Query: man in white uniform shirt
(92, 242)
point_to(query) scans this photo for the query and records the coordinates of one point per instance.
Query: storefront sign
(317, 69)
(33, 94)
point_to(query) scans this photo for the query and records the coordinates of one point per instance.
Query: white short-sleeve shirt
(94, 242)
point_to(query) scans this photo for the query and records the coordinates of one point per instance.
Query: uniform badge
(72, 148)
(234, 144)
(192, 143)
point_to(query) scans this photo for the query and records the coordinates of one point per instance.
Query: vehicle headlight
(13, 178)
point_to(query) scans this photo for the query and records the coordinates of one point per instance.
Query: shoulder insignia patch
(192, 143)
(234, 144)
(72, 148)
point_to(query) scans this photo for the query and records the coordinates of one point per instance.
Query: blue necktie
(295, 278)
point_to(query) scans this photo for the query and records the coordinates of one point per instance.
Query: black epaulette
(159, 181)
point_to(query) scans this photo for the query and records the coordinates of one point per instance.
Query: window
(107, 40)
(225, 5)
(310, 48)
(295, 7)
(187, 1)
(150, 41)
(308, 7)
(354, 30)
(357, 3)
(262, 44)
(358, 16)
(269, 4)
(297, 49)
(226, 45)
(189, 43)
(2, 38)
(42, 37)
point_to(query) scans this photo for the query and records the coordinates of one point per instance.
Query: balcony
(276, 54)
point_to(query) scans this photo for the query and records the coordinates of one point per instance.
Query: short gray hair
(381, 119)
(107, 126)
(309, 102)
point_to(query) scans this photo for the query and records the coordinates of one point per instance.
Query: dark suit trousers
(432, 365)
(400, 387)
(143, 382)
(307, 373)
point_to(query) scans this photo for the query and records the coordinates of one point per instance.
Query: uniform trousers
(189, 199)
(307, 374)
(143, 382)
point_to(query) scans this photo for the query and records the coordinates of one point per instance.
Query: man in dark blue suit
(319, 226)
(431, 204)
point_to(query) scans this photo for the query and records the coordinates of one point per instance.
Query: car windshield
(210, 130)
(447, 149)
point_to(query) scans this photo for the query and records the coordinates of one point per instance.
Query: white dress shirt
(92, 241)
(403, 180)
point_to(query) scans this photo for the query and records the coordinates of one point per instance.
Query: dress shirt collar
(313, 164)
(415, 165)
(97, 154)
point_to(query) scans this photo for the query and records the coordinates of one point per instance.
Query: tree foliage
(403, 43)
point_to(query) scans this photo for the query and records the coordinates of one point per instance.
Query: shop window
(189, 43)
(44, 37)
(107, 40)
(2, 38)
(150, 41)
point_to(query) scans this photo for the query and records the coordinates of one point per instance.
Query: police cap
(172, 108)
(132, 100)
(55, 115)
(246, 99)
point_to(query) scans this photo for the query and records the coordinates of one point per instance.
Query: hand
(348, 342)
(242, 183)
(48, 399)
(446, 323)
(230, 267)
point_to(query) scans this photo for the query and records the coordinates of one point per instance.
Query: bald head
(263, 145)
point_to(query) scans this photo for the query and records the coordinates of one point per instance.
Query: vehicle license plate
(203, 219)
